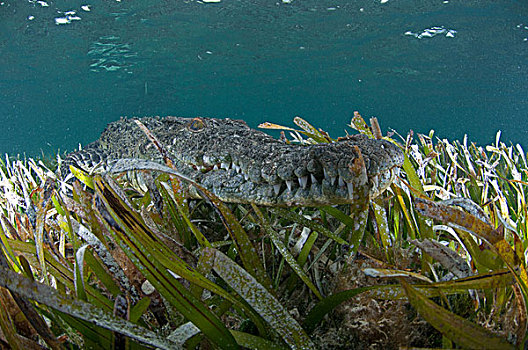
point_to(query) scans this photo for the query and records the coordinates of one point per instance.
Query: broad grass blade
(156, 261)
(82, 176)
(359, 124)
(310, 130)
(77, 308)
(251, 341)
(264, 303)
(461, 331)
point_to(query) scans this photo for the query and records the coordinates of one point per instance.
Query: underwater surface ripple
(68, 68)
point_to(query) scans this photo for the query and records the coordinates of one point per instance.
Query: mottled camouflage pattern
(242, 165)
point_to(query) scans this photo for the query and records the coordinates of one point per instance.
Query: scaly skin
(243, 165)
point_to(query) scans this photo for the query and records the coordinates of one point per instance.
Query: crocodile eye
(196, 125)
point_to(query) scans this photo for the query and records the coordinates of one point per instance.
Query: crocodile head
(243, 165)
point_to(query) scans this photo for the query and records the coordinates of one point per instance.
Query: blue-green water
(262, 60)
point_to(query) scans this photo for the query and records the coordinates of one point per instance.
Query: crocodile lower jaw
(231, 184)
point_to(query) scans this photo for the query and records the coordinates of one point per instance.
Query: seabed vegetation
(100, 262)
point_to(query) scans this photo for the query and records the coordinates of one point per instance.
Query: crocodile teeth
(215, 167)
(350, 189)
(277, 188)
(224, 166)
(312, 177)
(246, 176)
(289, 184)
(375, 181)
(330, 179)
(303, 182)
(237, 168)
(206, 159)
(341, 182)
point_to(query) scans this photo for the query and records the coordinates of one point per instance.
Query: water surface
(67, 68)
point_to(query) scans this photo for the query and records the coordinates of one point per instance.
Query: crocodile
(243, 165)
